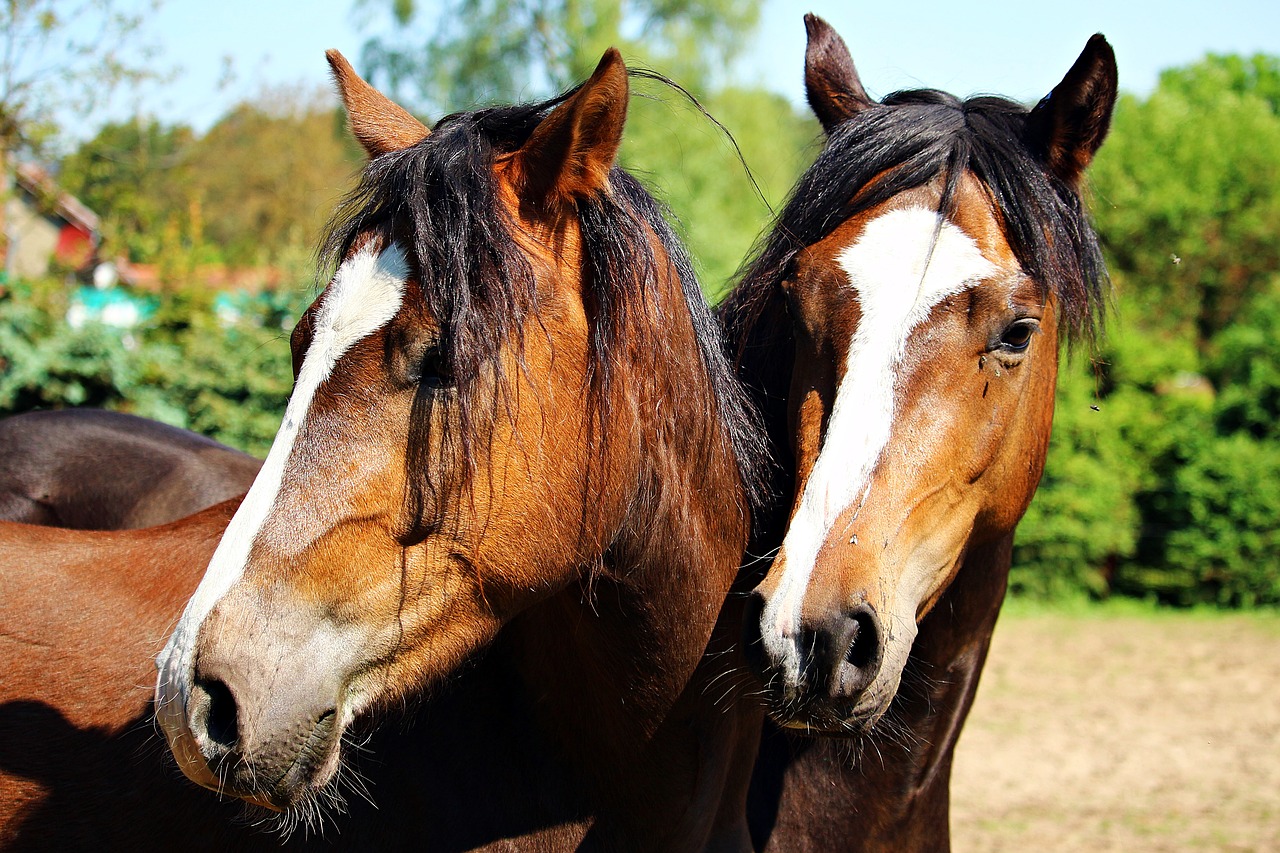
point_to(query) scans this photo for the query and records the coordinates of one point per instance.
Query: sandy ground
(1105, 732)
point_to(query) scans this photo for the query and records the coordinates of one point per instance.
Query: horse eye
(1017, 337)
(433, 372)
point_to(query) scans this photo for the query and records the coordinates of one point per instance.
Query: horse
(81, 766)
(900, 331)
(512, 487)
(92, 469)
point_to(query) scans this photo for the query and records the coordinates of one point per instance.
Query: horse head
(929, 261)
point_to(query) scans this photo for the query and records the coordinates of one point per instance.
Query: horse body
(81, 617)
(98, 470)
(900, 330)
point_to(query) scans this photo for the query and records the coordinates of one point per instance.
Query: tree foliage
(485, 51)
(688, 162)
(137, 173)
(268, 174)
(1188, 191)
(259, 184)
(1173, 492)
(228, 380)
(56, 56)
(59, 55)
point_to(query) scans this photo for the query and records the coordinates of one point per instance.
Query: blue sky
(1015, 47)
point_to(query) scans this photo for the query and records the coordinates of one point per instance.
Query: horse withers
(513, 476)
(901, 329)
(92, 469)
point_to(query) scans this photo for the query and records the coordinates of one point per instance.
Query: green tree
(1219, 514)
(56, 55)
(253, 189)
(486, 51)
(1188, 191)
(1245, 366)
(1166, 489)
(135, 174)
(265, 178)
(690, 164)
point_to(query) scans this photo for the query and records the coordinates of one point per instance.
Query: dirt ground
(1130, 732)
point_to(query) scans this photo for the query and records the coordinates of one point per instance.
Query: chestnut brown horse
(97, 470)
(81, 616)
(513, 476)
(901, 328)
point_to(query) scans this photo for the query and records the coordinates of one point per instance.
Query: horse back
(97, 470)
(82, 616)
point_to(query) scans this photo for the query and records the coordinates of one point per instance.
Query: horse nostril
(217, 706)
(864, 650)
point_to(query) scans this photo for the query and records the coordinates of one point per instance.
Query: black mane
(911, 139)
(439, 198)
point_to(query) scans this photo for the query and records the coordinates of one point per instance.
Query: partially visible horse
(97, 470)
(81, 616)
(513, 477)
(900, 328)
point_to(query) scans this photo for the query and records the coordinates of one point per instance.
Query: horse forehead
(906, 260)
(365, 294)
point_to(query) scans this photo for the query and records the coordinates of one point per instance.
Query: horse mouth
(278, 778)
(314, 765)
(830, 722)
(819, 716)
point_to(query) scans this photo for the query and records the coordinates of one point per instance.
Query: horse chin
(830, 719)
(312, 813)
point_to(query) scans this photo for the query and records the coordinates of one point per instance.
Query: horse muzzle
(823, 673)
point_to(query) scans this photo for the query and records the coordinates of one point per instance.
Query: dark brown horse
(900, 328)
(97, 470)
(512, 477)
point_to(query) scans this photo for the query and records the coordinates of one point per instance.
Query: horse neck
(612, 654)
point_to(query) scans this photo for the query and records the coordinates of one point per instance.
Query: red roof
(37, 181)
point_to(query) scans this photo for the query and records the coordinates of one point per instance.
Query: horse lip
(313, 759)
(264, 802)
(818, 717)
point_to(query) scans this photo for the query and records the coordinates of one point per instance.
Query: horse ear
(1069, 124)
(569, 154)
(378, 124)
(830, 79)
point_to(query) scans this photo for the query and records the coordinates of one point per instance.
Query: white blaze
(365, 294)
(899, 273)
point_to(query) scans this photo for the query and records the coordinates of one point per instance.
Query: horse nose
(841, 655)
(214, 716)
(257, 737)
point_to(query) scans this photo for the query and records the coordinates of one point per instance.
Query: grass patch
(1025, 607)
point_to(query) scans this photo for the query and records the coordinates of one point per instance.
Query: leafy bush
(1224, 541)
(1083, 516)
(45, 363)
(187, 367)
